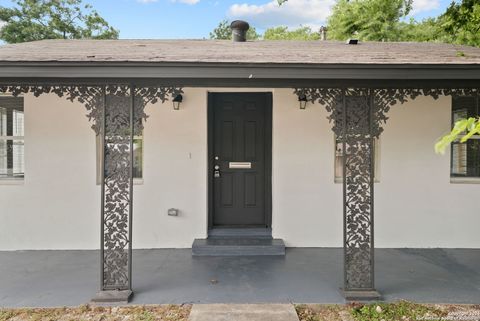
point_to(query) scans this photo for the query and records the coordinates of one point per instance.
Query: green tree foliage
(33, 20)
(426, 30)
(461, 22)
(282, 33)
(224, 32)
(381, 20)
(369, 20)
(463, 130)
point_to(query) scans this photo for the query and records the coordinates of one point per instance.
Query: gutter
(196, 73)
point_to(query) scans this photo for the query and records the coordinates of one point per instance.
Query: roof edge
(245, 72)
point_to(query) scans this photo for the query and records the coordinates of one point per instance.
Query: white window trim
(12, 137)
(460, 179)
(464, 180)
(13, 180)
(339, 180)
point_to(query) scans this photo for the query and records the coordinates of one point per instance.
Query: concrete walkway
(71, 278)
(243, 312)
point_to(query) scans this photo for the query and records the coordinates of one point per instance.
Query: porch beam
(231, 71)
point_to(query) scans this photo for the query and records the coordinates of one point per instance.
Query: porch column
(356, 125)
(117, 113)
(117, 132)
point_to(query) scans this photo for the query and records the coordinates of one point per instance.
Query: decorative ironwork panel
(385, 98)
(124, 118)
(117, 187)
(358, 190)
(92, 96)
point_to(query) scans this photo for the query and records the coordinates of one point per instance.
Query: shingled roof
(256, 52)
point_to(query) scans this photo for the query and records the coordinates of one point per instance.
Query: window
(465, 157)
(339, 160)
(12, 147)
(137, 158)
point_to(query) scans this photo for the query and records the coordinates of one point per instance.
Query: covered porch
(66, 278)
(357, 97)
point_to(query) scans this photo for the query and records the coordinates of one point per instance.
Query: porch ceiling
(250, 64)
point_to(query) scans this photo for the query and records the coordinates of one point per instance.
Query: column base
(113, 297)
(361, 295)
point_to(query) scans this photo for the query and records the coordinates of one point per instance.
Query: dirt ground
(91, 313)
(399, 311)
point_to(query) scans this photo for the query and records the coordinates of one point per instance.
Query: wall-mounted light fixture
(177, 101)
(302, 99)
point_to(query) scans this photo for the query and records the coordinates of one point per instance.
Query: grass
(402, 310)
(91, 313)
(399, 311)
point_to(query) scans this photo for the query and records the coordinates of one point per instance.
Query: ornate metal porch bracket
(117, 113)
(358, 116)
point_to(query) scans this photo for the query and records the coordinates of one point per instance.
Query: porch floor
(304, 275)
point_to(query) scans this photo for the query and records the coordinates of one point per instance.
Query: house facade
(236, 135)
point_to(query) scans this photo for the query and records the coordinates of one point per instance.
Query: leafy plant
(463, 130)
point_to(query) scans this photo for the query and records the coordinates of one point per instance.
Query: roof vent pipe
(239, 30)
(323, 33)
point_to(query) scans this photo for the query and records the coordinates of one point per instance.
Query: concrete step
(240, 232)
(238, 247)
(243, 312)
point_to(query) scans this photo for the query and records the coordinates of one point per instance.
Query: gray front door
(240, 159)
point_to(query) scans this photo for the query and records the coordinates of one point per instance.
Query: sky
(193, 19)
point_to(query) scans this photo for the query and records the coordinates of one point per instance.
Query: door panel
(241, 132)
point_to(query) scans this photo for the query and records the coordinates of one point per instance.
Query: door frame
(268, 152)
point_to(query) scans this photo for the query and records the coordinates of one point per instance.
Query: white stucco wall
(58, 205)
